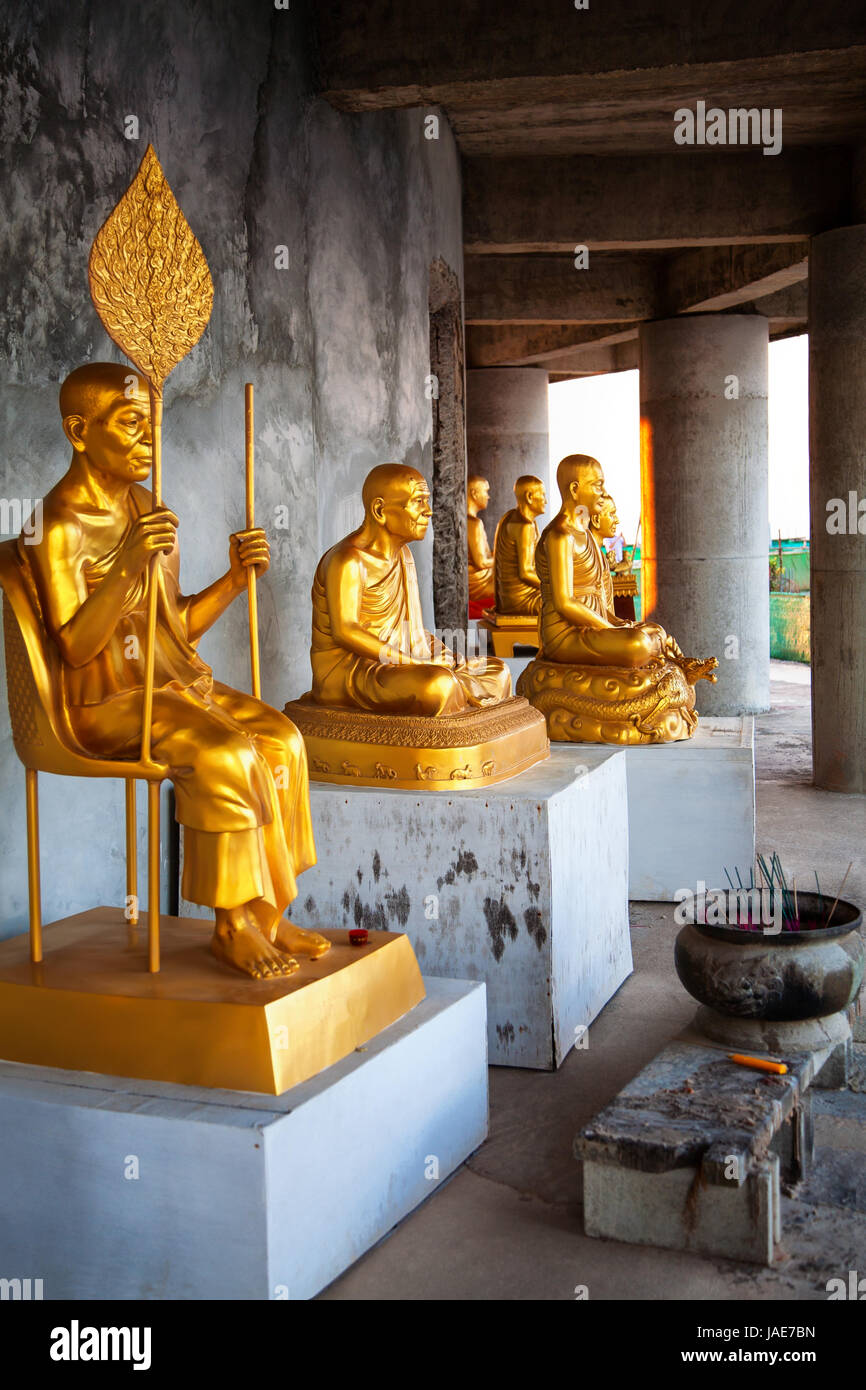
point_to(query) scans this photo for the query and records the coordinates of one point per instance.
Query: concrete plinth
(837, 425)
(523, 885)
(703, 402)
(507, 433)
(691, 808)
(138, 1190)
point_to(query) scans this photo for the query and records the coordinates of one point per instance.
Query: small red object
(358, 936)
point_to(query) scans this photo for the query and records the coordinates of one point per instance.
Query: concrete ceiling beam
(551, 289)
(381, 54)
(726, 276)
(614, 287)
(696, 197)
(594, 361)
(527, 345)
(790, 303)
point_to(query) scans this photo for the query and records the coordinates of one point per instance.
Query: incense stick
(839, 894)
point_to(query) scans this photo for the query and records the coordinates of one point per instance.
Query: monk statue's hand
(392, 655)
(655, 637)
(248, 550)
(441, 654)
(150, 534)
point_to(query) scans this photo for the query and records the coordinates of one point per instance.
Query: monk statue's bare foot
(299, 941)
(699, 668)
(238, 942)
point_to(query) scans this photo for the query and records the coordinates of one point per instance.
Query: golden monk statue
(390, 701)
(518, 588)
(481, 578)
(619, 582)
(597, 677)
(604, 525)
(239, 767)
(370, 649)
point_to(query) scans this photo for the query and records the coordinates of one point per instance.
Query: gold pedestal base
(625, 586)
(508, 629)
(472, 749)
(91, 1005)
(608, 704)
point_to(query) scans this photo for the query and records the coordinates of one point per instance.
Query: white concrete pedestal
(691, 807)
(125, 1189)
(522, 885)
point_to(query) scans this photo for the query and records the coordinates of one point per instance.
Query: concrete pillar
(507, 433)
(837, 452)
(703, 399)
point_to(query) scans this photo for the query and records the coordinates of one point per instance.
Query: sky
(600, 415)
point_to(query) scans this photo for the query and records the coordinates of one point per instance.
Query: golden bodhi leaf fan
(152, 289)
(149, 279)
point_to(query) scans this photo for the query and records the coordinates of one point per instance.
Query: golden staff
(636, 539)
(252, 596)
(152, 289)
(152, 573)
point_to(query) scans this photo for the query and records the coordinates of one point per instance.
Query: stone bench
(691, 1153)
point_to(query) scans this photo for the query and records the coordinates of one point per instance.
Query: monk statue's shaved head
(391, 482)
(572, 469)
(525, 483)
(85, 391)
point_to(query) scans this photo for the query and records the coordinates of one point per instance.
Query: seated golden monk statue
(603, 526)
(370, 649)
(597, 677)
(239, 767)
(408, 692)
(481, 576)
(518, 587)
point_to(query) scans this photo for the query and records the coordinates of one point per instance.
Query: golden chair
(45, 742)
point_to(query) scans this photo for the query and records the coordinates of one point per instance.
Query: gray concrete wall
(337, 344)
(384, 203)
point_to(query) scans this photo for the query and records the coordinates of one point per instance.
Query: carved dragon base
(610, 704)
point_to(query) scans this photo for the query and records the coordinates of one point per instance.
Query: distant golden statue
(371, 653)
(238, 766)
(619, 582)
(481, 578)
(597, 677)
(514, 619)
(518, 588)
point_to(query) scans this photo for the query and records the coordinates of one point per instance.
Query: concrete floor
(508, 1225)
